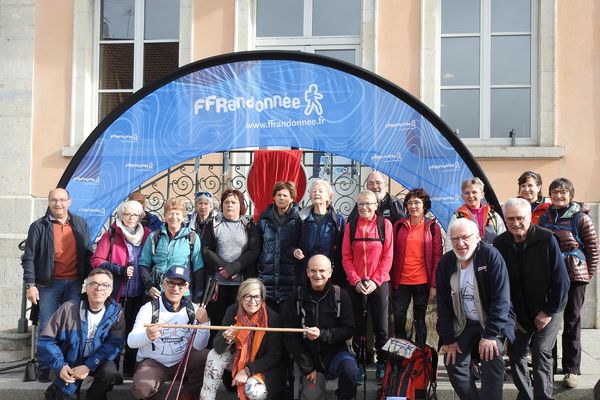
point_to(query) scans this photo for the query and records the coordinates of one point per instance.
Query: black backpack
(189, 308)
(300, 310)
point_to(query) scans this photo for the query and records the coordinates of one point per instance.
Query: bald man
(56, 259)
(325, 311)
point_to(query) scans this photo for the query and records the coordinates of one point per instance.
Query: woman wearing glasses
(118, 251)
(206, 208)
(367, 253)
(578, 242)
(417, 250)
(253, 357)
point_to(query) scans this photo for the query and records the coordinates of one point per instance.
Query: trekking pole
(365, 309)
(209, 290)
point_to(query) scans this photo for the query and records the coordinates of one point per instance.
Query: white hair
(517, 202)
(464, 222)
(133, 205)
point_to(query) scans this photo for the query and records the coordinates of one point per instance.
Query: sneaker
(570, 381)
(361, 375)
(380, 371)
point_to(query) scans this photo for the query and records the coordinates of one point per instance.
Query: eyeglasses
(250, 298)
(173, 284)
(319, 271)
(458, 239)
(99, 286)
(130, 215)
(414, 203)
(519, 218)
(559, 192)
(365, 204)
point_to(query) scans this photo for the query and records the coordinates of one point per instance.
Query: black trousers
(104, 379)
(377, 306)
(401, 298)
(216, 311)
(571, 336)
(130, 311)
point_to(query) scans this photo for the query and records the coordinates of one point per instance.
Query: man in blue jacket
(56, 259)
(539, 284)
(473, 306)
(83, 338)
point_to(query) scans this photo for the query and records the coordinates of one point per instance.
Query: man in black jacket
(473, 306)
(539, 284)
(56, 259)
(326, 312)
(389, 207)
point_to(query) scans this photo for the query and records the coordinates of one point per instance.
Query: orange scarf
(248, 342)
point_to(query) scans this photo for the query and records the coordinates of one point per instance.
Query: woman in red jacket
(367, 251)
(417, 250)
(118, 251)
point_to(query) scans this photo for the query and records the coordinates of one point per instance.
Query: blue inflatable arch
(268, 98)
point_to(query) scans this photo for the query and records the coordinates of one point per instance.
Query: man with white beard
(474, 309)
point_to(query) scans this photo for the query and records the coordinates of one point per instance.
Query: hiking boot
(380, 371)
(475, 370)
(570, 381)
(361, 375)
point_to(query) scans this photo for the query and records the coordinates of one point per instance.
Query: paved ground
(12, 386)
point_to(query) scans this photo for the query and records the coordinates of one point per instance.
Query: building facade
(518, 81)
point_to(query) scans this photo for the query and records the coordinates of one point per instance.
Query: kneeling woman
(255, 357)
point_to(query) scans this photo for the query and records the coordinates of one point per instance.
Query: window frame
(545, 144)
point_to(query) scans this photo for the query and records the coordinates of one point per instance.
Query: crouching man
(474, 311)
(162, 349)
(82, 338)
(326, 312)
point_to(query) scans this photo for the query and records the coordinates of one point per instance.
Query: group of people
(498, 288)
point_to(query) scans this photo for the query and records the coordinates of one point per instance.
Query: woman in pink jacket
(367, 251)
(417, 250)
(118, 251)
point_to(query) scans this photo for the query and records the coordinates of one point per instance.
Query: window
(138, 43)
(327, 27)
(488, 70)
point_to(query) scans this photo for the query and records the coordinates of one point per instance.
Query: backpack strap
(155, 238)
(299, 309)
(338, 300)
(191, 241)
(380, 230)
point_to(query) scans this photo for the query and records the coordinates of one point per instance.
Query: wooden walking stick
(223, 328)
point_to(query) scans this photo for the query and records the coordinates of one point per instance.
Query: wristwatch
(29, 285)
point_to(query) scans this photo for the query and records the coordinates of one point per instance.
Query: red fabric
(368, 258)
(270, 166)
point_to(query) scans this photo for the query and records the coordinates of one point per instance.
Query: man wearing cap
(160, 350)
(326, 312)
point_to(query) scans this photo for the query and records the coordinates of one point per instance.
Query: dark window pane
(460, 110)
(116, 66)
(511, 60)
(159, 59)
(161, 19)
(348, 55)
(108, 101)
(511, 109)
(336, 17)
(460, 16)
(118, 19)
(460, 61)
(511, 16)
(279, 18)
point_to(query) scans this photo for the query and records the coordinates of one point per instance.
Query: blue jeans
(51, 297)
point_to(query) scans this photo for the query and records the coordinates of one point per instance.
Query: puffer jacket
(581, 262)
(171, 252)
(279, 239)
(322, 237)
(63, 340)
(368, 258)
(432, 243)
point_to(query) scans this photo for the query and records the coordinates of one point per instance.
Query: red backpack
(410, 372)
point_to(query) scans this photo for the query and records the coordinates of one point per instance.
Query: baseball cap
(178, 272)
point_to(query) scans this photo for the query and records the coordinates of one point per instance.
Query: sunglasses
(203, 194)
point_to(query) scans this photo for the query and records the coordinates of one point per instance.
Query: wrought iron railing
(216, 172)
